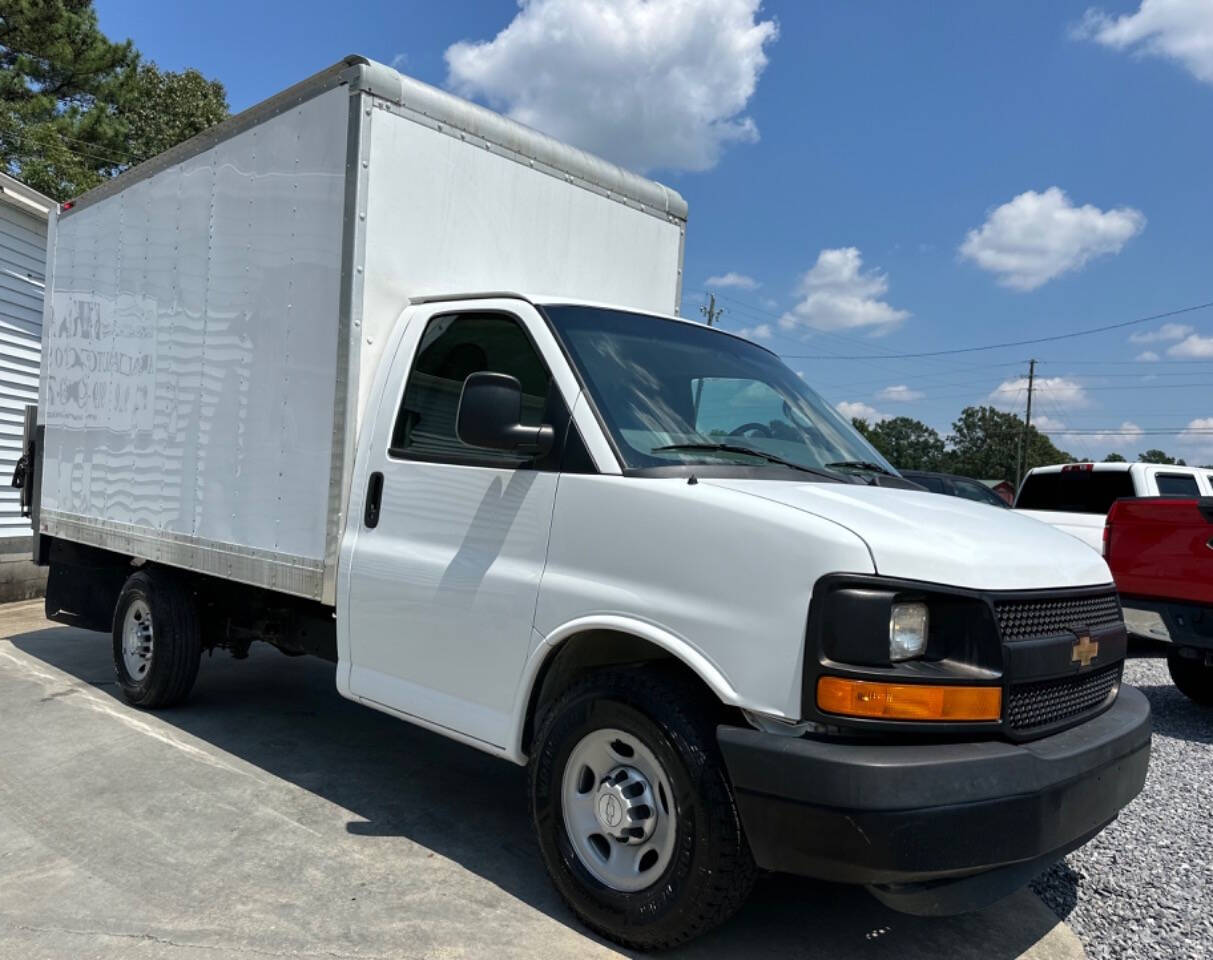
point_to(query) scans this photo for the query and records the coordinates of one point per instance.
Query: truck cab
(1076, 497)
(568, 504)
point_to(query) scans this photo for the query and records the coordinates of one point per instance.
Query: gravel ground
(1141, 888)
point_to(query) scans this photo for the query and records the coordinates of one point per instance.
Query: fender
(673, 644)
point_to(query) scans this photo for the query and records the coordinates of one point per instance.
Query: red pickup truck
(1160, 550)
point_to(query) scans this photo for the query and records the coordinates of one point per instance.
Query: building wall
(22, 276)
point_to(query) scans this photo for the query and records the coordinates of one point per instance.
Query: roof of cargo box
(429, 105)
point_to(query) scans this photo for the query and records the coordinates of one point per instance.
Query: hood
(917, 535)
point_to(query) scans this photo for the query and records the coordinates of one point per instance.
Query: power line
(1011, 343)
(1121, 431)
(36, 146)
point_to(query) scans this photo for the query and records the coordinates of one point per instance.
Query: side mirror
(490, 415)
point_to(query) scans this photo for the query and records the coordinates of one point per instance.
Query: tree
(76, 108)
(169, 108)
(906, 443)
(1159, 456)
(60, 79)
(1113, 458)
(985, 439)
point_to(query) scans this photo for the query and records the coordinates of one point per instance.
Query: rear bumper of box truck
(935, 828)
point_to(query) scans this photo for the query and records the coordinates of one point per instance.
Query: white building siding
(22, 276)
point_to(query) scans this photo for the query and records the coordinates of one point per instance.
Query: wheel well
(593, 649)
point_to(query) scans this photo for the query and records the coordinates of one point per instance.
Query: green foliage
(1159, 456)
(170, 108)
(907, 443)
(76, 108)
(1114, 458)
(984, 442)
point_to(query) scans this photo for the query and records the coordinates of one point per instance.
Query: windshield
(661, 383)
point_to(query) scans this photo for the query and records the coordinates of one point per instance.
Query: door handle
(374, 495)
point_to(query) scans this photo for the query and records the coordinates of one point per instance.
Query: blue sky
(880, 177)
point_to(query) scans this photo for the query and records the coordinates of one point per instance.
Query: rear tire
(1193, 678)
(157, 640)
(656, 734)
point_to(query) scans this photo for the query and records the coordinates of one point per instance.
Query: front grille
(1045, 702)
(1043, 617)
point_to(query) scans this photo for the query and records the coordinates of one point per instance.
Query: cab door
(444, 573)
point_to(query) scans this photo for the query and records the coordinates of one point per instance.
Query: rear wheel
(157, 642)
(634, 812)
(1193, 678)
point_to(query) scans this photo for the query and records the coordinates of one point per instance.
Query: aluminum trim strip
(301, 576)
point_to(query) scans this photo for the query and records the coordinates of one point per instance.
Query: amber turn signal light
(907, 701)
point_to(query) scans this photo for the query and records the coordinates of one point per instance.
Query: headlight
(907, 630)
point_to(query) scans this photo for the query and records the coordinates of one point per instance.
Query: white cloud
(646, 83)
(1061, 391)
(731, 279)
(1038, 236)
(1180, 30)
(399, 61)
(838, 294)
(1044, 423)
(1199, 432)
(761, 331)
(861, 410)
(1194, 346)
(900, 394)
(1128, 433)
(1168, 331)
(1148, 356)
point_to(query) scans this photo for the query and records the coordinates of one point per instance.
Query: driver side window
(452, 348)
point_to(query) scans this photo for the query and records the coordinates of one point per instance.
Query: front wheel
(157, 641)
(633, 810)
(1193, 678)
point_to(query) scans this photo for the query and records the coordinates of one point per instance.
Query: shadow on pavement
(284, 716)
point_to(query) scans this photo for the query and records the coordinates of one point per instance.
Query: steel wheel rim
(137, 639)
(609, 777)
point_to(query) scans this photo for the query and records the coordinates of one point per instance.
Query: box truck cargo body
(217, 315)
(373, 373)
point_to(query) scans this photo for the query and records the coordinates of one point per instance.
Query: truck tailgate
(1087, 527)
(1162, 548)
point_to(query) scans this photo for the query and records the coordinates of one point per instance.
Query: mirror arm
(533, 440)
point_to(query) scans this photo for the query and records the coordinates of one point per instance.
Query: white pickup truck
(637, 554)
(1076, 497)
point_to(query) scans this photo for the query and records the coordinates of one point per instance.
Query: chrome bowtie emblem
(1085, 650)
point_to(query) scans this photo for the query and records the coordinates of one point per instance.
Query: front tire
(157, 640)
(648, 851)
(1193, 678)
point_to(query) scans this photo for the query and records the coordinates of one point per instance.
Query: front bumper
(936, 828)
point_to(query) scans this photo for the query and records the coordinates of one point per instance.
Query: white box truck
(373, 373)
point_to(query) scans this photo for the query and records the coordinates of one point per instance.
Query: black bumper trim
(1189, 624)
(916, 813)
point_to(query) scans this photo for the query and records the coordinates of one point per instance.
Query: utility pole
(1027, 425)
(712, 313)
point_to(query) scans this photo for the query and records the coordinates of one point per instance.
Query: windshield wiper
(751, 451)
(862, 465)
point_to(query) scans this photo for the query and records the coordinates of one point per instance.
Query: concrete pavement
(268, 817)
